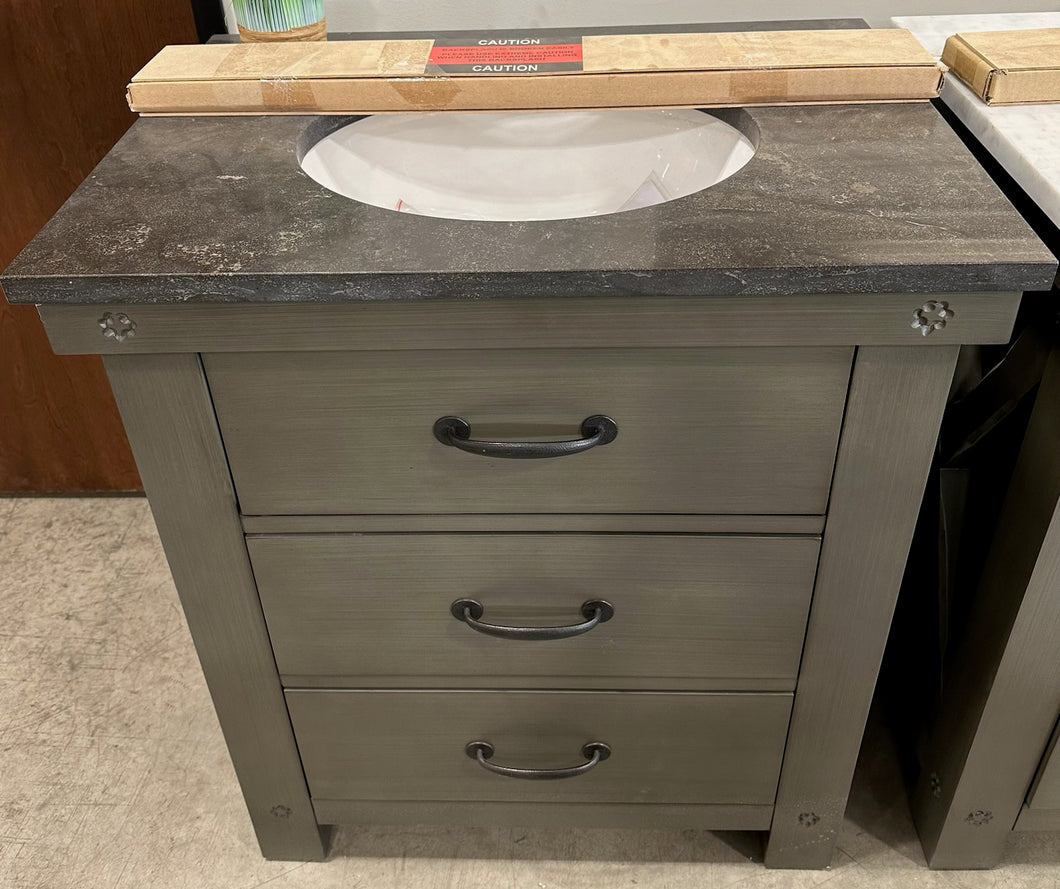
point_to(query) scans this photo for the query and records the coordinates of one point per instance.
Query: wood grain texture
(687, 609)
(552, 522)
(166, 408)
(666, 748)
(1045, 793)
(62, 106)
(893, 413)
(997, 713)
(541, 683)
(541, 322)
(1038, 819)
(550, 815)
(700, 430)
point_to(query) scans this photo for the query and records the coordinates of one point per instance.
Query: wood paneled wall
(63, 71)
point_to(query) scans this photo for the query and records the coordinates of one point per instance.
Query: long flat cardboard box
(487, 72)
(1007, 67)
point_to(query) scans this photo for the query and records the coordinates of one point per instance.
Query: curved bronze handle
(456, 432)
(595, 752)
(596, 611)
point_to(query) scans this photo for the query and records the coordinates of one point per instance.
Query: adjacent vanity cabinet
(989, 755)
(989, 761)
(622, 502)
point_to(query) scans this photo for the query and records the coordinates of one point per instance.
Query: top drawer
(700, 431)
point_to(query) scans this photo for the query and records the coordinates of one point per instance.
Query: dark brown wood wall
(63, 71)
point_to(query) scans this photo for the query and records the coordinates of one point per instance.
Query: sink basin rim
(579, 190)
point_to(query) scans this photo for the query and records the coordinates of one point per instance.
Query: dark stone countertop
(838, 199)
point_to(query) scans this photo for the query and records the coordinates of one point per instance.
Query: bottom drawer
(681, 747)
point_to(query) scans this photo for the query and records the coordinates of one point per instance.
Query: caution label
(493, 54)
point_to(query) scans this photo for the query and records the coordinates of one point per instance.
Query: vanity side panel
(894, 409)
(1045, 792)
(169, 418)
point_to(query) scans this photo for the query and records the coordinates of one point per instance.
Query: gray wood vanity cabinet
(775, 353)
(286, 485)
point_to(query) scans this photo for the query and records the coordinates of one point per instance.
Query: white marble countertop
(1025, 139)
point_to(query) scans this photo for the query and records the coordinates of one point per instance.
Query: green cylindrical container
(298, 20)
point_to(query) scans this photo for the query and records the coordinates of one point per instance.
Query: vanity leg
(894, 409)
(169, 418)
(1003, 690)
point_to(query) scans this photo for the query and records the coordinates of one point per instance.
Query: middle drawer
(690, 611)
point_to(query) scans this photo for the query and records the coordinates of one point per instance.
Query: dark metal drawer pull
(456, 432)
(595, 752)
(595, 611)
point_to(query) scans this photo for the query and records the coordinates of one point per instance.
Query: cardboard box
(488, 72)
(1007, 67)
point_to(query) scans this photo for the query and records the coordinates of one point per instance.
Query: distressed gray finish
(1045, 793)
(574, 322)
(893, 413)
(700, 431)
(688, 608)
(166, 409)
(551, 522)
(838, 199)
(1038, 819)
(1003, 698)
(667, 748)
(550, 815)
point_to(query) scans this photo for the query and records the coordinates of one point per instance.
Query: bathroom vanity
(680, 607)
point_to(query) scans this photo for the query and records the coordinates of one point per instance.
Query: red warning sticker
(515, 55)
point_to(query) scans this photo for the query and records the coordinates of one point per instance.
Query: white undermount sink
(528, 166)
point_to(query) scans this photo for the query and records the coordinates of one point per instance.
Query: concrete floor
(113, 772)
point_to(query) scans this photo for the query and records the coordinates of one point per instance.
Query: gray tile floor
(113, 772)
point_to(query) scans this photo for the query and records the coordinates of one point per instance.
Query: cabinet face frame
(894, 406)
(858, 319)
(894, 409)
(169, 417)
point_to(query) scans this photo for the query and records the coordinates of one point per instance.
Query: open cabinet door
(63, 72)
